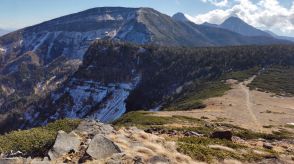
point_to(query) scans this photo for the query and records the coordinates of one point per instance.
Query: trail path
(249, 109)
(249, 105)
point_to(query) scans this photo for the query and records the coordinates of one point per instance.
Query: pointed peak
(234, 19)
(180, 17)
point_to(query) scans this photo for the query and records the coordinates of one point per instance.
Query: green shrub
(198, 149)
(241, 75)
(35, 141)
(196, 93)
(141, 119)
(278, 80)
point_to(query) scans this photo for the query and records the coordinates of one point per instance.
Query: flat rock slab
(64, 143)
(100, 147)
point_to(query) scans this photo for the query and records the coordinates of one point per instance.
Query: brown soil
(250, 109)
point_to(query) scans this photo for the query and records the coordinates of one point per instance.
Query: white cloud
(265, 14)
(219, 3)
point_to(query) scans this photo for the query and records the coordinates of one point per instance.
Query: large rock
(222, 134)
(64, 143)
(101, 148)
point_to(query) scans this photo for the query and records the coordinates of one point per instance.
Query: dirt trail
(249, 105)
(245, 108)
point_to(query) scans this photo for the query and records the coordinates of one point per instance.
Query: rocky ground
(94, 142)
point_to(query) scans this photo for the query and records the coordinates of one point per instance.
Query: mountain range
(45, 74)
(236, 25)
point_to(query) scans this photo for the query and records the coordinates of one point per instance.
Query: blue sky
(20, 13)
(275, 15)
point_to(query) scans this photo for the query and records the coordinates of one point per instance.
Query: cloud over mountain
(219, 3)
(267, 14)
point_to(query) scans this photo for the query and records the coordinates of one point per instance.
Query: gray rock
(92, 127)
(64, 143)
(222, 134)
(267, 145)
(159, 160)
(101, 147)
(119, 158)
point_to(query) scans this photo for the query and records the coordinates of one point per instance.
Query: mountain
(4, 31)
(237, 25)
(209, 24)
(180, 17)
(280, 37)
(37, 60)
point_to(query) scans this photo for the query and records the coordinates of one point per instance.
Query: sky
(274, 15)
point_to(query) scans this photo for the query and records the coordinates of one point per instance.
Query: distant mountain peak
(236, 24)
(209, 24)
(180, 17)
(234, 19)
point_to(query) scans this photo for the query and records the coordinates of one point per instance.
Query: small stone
(159, 160)
(45, 159)
(138, 160)
(84, 147)
(226, 134)
(192, 133)
(267, 145)
(88, 141)
(220, 147)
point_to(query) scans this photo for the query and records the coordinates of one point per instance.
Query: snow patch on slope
(103, 102)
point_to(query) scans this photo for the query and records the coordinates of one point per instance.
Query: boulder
(64, 143)
(222, 134)
(100, 147)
